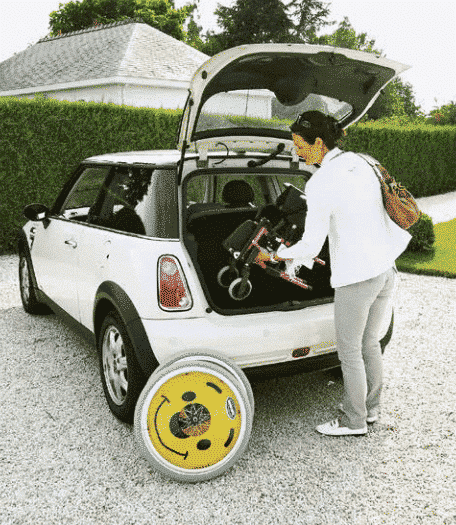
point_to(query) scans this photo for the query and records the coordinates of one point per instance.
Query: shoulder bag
(398, 201)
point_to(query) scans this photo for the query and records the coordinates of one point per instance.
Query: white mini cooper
(134, 247)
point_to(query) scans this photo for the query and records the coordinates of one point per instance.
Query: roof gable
(129, 50)
(153, 54)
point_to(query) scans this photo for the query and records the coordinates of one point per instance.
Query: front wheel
(193, 420)
(121, 375)
(29, 299)
(237, 292)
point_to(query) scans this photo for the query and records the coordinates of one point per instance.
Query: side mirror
(36, 212)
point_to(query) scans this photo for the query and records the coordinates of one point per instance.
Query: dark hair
(313, 124)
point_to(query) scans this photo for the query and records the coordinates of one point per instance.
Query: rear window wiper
(273, 155)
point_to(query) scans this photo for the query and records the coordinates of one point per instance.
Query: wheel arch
(110, 296)
(24, 248)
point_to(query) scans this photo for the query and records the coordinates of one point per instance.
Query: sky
(419, 33)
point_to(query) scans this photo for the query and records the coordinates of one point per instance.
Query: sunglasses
(302, 122)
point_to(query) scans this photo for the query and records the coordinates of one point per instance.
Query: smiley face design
(193, 419)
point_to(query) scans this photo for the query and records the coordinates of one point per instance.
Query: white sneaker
(372, 416)
(333, 428)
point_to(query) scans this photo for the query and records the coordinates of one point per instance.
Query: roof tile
(130, 50)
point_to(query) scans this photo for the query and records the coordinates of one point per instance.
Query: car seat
(238, 194)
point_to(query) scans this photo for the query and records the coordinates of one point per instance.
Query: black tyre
(121, 375)
(29, 299)
(193, 420)
(226, 276)
(235, 290)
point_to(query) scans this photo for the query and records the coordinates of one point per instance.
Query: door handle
(73, 244)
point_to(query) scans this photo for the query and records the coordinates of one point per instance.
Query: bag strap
(372, 163)
(338, 155)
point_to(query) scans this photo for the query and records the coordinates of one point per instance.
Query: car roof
(156, 157)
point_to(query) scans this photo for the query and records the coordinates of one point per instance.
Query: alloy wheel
(115, 365)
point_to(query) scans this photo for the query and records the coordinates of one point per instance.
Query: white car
(133, 249)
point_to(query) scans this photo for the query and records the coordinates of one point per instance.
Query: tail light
(173, 290)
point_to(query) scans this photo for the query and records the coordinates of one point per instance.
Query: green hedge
(421, 157)
(423, 236)
(42, 141)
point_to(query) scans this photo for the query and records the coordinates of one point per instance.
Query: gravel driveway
(66, 460)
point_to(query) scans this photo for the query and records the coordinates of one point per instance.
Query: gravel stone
(66, 460)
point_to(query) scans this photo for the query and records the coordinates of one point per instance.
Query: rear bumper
(297, 366)
(251, 341)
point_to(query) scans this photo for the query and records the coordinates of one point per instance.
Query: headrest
(237, 193)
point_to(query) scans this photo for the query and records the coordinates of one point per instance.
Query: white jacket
(344, 203)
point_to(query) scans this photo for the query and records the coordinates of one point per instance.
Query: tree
(309, 17)
(265, 21)
(345, 36)
(161, 14)
(444, 115)
(397, 98)
(193, 35)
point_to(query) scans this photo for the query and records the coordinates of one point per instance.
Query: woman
(345, 204)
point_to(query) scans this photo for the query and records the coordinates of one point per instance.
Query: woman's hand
(281, 248)
(265, 256)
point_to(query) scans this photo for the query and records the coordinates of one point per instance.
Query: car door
(55, 250)
(114, 225)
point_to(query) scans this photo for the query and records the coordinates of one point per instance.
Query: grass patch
(441, 261)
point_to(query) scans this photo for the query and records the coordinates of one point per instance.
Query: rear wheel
(193, 420)
(121, 375)
(227, 275)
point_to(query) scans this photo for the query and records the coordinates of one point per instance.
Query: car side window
(127, 187)
(139, 200)
(84, 194)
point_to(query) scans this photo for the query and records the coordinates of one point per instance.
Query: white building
(127, 63)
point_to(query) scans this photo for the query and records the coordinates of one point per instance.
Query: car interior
(208, 224)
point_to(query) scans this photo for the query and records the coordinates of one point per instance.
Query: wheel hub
(194, 419)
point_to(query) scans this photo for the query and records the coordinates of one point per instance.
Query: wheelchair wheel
(193, 420)
(228, 364)
(235, 290)
(226, 275)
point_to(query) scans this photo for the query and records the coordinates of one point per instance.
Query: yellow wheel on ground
(225, 362)
(193, 420)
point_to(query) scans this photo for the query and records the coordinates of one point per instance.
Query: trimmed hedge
(421, 157)
(423, 236)
(42, 141)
